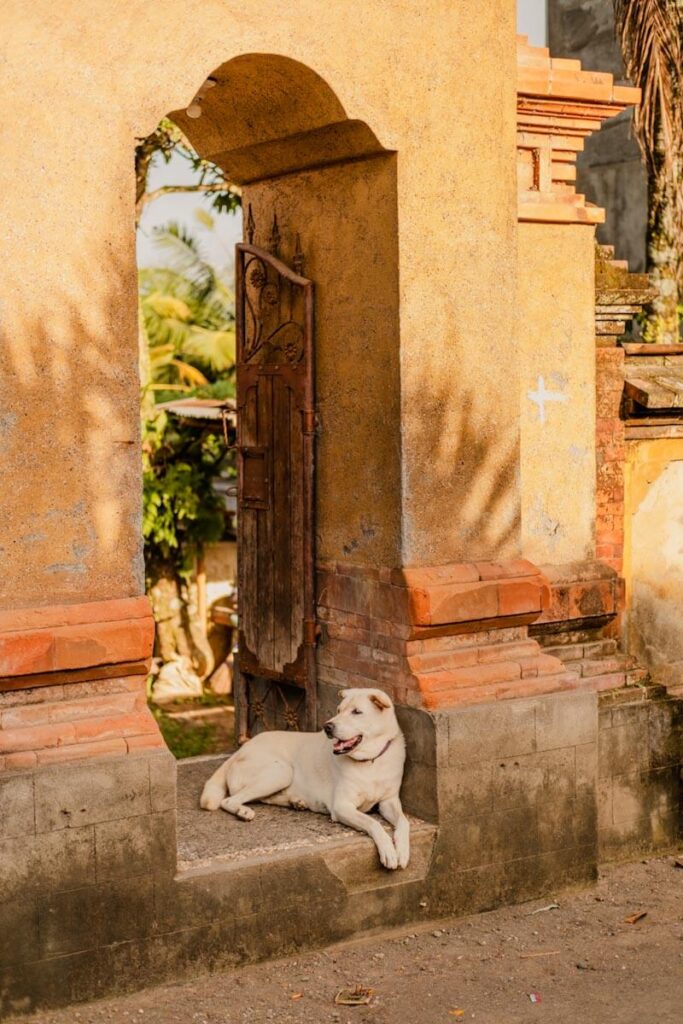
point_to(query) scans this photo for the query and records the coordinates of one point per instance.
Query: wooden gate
(275, 681)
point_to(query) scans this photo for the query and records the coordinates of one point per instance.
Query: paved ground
(584, 960)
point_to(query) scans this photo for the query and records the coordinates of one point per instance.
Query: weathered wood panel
(275, 483)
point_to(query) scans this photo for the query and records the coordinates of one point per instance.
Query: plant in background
(187, 345)
(181, 513)
(188, 317)
(167, 141)
(651, 37)
(181, 509)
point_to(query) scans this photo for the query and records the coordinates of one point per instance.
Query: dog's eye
(356, 711)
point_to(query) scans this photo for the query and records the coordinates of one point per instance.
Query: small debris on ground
(634, 918)
(358, 996)
(534, 997)
(541, 910)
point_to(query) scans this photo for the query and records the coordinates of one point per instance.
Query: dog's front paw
(403, 854)
(388, 856)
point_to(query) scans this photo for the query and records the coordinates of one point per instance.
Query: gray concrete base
(96, 898)
(639, 775)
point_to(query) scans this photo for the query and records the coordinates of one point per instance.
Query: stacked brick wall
(585, 599)
(72, 682)
(435, 637)
(70, 721)
(595, 659)
(610, 454)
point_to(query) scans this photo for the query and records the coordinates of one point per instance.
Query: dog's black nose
(328, 729)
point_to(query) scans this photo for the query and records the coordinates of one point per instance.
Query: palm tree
(187, 316)
(651, 37)
(187, 326)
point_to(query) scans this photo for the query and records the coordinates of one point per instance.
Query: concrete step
(215, 841)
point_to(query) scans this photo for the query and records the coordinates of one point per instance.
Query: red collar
(371, 760)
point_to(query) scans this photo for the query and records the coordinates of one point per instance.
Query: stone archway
(277, 129)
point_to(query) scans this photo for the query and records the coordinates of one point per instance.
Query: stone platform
(110, 874)
(206, 839)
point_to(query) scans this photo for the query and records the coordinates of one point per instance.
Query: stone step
(215, 841)
(598, 684)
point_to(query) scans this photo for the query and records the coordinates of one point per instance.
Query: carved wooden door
(275, 682)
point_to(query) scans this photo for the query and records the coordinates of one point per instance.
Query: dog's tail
(216, 789)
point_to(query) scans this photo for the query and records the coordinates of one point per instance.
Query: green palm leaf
(186, 257)
(215, 349)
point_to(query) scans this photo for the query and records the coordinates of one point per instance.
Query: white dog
(363, 766)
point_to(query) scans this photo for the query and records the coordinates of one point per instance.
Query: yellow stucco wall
(81, 80)
(557, 391)
(653, 555)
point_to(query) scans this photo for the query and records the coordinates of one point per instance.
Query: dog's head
(365, 722)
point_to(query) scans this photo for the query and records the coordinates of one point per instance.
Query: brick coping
(558, 106)
(47, 616)
(36, 644)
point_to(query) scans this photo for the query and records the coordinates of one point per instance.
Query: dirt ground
(583, 959)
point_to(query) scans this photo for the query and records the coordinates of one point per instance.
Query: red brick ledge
(479, 595)
(455, 598)
(76, 722)
(39, 645)
(436, 636)
(581, 594)
(91, 661)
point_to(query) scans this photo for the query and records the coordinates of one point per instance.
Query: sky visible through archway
(217, 244)
(532, 21)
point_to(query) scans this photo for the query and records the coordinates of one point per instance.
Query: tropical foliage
(188, 322)
(187, 348)
(187, 312)
(651, 36)
(181, 509)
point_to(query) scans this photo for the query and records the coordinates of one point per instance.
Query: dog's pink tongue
(342, 745)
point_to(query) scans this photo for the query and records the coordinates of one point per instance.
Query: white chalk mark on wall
(541, 396)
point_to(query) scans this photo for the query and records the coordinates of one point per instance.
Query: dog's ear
(381, 701)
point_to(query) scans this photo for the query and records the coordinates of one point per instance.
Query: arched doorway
(321, 199)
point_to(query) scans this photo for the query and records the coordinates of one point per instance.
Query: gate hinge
(309, 421)
(311, 632)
